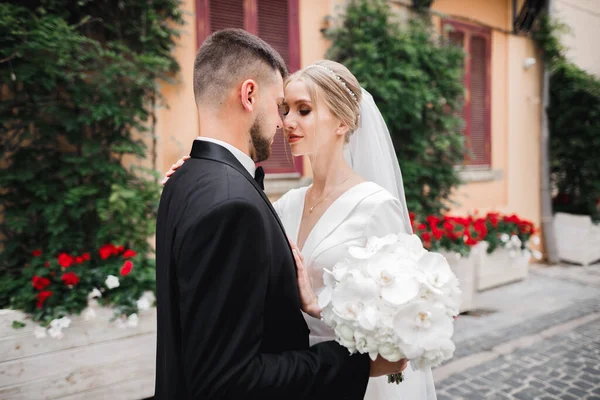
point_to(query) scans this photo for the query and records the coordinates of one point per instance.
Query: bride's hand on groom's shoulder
(174, 168)
(308, 300)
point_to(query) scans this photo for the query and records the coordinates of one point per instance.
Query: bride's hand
(308, 300)
(174, 168)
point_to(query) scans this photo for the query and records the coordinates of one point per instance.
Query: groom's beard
(262, 145)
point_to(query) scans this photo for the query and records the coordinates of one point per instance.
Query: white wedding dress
(363, 211)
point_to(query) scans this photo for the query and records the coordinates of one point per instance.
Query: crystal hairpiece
(337, 78)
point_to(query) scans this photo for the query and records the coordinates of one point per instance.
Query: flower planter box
(464, 269)
(577, 238)
(95, 359)
(499, 267)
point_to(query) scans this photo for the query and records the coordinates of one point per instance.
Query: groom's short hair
(228, 56)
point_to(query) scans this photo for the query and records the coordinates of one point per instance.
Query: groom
(229, 320)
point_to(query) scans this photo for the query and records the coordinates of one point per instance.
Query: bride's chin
(297, 152)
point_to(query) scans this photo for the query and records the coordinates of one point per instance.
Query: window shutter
(273, 28)
(479, 138)
(226, 14)
(477, 108)
(273, 25)
(276, 22)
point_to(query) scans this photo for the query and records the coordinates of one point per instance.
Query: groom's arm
(222, 272)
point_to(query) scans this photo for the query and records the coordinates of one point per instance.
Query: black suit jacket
(229, 320)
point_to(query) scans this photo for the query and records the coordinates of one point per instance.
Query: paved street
(537, 339)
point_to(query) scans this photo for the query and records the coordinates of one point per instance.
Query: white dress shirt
(242, 157)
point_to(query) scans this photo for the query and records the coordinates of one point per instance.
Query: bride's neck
(328, 171)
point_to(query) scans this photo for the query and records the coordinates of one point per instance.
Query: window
(476, 41)
(276, 22)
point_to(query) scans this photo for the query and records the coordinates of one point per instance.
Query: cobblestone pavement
(540, 340)
(565, 366)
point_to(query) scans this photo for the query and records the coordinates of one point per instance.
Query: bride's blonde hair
(342, 92)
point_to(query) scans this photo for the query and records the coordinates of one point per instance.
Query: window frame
(470, 30)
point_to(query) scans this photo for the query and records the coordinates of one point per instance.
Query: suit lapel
(215, 152)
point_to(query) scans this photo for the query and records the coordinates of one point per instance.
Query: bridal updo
(341, 90)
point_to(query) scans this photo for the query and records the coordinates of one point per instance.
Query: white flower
(374, 244)
(56, 327)
(55, 333)
(515, 240)
(39, 332)
(349, 293)
(390, 353)
(404, 289)
(505, 237)
(410, 245)
(89, 314)
(428, 322)
(146, 301)
(537, 255)
(65, 322)
(394, 299)
(132, 321)
(441, 350)
(60, 323)
(112, 282)
(143, 304)
(535, 240)
(436, 269)
(95, 293)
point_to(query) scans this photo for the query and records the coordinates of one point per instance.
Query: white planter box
(499, 268)
(464, 269)
(577, 238)
(94, 360)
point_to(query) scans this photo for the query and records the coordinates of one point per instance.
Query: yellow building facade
(507, 179)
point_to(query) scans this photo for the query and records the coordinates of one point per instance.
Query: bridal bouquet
(395, 299)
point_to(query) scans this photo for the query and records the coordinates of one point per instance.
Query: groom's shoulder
(208, 181)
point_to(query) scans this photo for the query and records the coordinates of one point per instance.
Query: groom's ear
(249, 94)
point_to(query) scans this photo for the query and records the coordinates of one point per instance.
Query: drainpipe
(546, 194)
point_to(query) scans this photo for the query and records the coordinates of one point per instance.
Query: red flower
(448, 226)
(106, 251)
(432, 220)
(422, 227)
(126, 268)
(40, 283)
(436, 233)
(129, 253)
(70, 278)
(78, 260)
(42, 297)
(65, 260)
(493, 218)
(481, 228)
(47, 264)
(86, 256)
(36, 253)
(426, 237)
(118, 250)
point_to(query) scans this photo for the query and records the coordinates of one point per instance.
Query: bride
(357, 192)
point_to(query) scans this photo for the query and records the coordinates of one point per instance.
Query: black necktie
(259, 177)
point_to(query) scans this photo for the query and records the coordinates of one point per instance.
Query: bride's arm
(386, 218)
